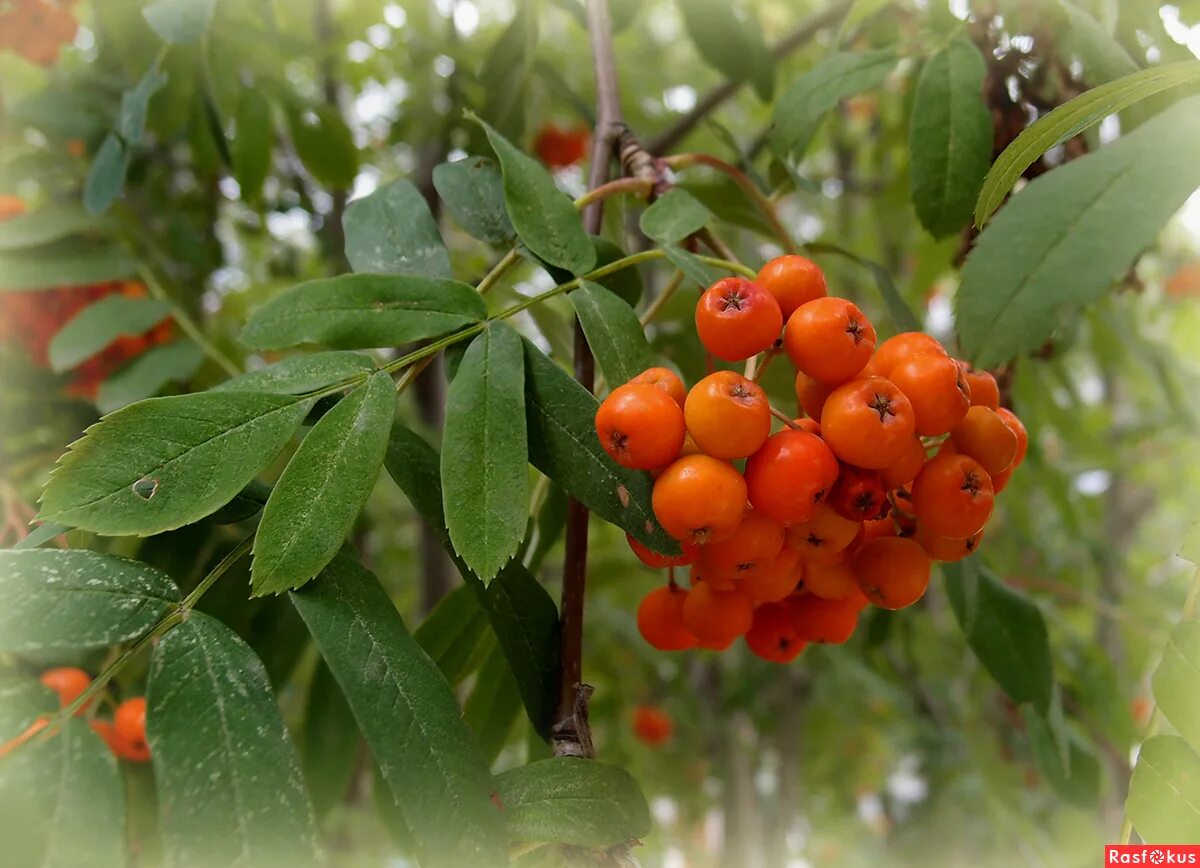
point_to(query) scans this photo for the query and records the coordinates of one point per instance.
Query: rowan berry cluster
(125, 734)
(37, 29)
(894, 464)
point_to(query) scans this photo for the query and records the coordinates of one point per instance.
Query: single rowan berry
(904, 469)
(559, 147)
(829, 339)
(699, 499)
(751, 549)
(986, 437)
(717, 617)
(789, 477)
(129, 728)
(793, 280)
(1000, 480)
(902, 347)
(984, 391)
(660, 619)
(824, 535)
(737, 319)
(893, 572)
(944, 549)
(811, 395)
(935, 387)
(772, 634)
(776, 581)
(952, 496)
(827, 621)
(859, 495)
(727, 415)
(658, 561)
(640, 427)
(68, 682)
(832, 581)
(665, 379)
(873, 530)
(868, 422)
(652, 726)
(812, 426)
(108, 734)
(1017, 427)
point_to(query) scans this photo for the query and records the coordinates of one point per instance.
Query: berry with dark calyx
(772, 634)
(935, 387)
(699, 499)
(868, 422)
(859, 495)
(751, 549)
(129, 729)
(727, 415)
(829, 339)
(640, 427)
(737, 319)
(790, 476)
(952, 496)
(830, 622)
(892, 572)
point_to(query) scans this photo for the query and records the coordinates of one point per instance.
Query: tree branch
(805, 31)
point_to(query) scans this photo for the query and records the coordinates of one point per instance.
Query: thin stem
(682, 161)
(785, 419)
(640, 187)
(768, 357)
(186, 324)
(501, 268)
(659, 303)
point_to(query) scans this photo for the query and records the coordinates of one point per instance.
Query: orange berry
(829, 339)
(129, 728)
(874, 530)
(827, 621)
(699, 499)
(811, 395)
(810, 425)
(984, 391)
(937, 391)
(68, 682)
(751, 549)
(727, 415)
(952, 496)
(660, 619)
(665, 379)
(1017, 427)
(776, 581)
(11, 206)
(987, 438)
(105, 730)
(834, 581)
(944, 549)
(789, 477)
(652, 726)
(825, 533)
(1000, 480)
(793, 280)
(905, 468)
(559, 147)
(772, 634)
(737, 319)
(868, 422)
(859, 495)
(717, 617)
(893, 572)
(640, 427)
(902, 347)
(658, 561)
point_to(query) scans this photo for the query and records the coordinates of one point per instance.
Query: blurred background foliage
(897, 748)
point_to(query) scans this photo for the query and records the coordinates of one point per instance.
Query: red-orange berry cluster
(37, 29)
(559, 147)
(843, 507)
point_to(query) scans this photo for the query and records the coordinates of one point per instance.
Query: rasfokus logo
(1152, 854)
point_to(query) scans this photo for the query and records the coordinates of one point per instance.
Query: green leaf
(179, 20)
(798, 112)
(950, 137)
(494, 703)
(1006, 632)
(51, 223)
(146, 375)
(613, 332)
(543, 216)
(101, 323)
(408, 715)
(1066, 762)
(674, 217)
(229, 782)
(902, 315)
(62, 803)
(41, 535)
(1078, 228)
(75, 598)
(301, 374)
(452, 633)
(563, 445)
(324, 145)
(573, 801)
(392, 232)
(67, 263)
(1164, 792)
(135, 103)
(1104, 59)
(506, 72)
(251, 148)
(626, 284)
(329, 743)
(473, 192)
(1072, 118)
(22, 701)
(1175, 680)
(107, 175)
(693, 267)
(166, 462)
(484, 453)
(859, 13)
(730, 39)
(323, 489)
(363, 310)
(523, 615)
(246, 503)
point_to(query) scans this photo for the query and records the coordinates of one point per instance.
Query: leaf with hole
(166, 462)
(391, 231)
(358, 311)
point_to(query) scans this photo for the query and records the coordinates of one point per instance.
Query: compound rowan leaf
(356, 311)
(166, 462)
(101, 323)
(391, 231)
(484, 451)
(75, 598)
(613, 332)
(473, 192)
(229, 782)
(1164, 792)
(323, 488)
(300, 374)
(408, 715)
(543, 216)
(573, 801)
